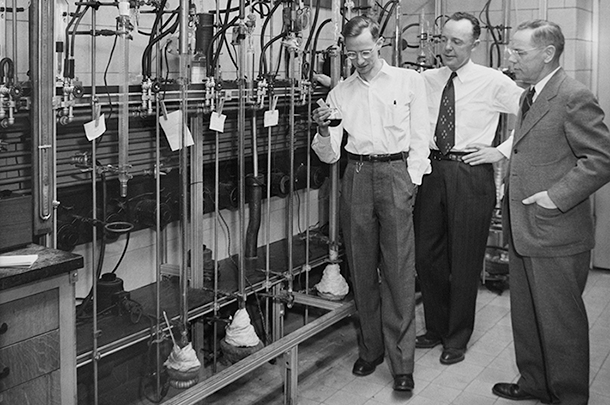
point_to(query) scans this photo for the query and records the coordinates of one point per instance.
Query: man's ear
(549, 53)
(476, 43)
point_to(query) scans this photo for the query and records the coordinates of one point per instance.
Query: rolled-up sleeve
(328, 148)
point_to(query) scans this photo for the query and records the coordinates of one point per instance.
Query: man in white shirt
(455, 202)
(385, 115)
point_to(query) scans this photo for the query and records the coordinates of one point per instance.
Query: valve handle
(16, 91)
(78, 91)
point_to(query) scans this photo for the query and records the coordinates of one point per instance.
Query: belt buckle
(379, 157)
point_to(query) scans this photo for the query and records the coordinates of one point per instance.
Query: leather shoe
(511, 391)
(426, 342)
(363, 367)
(452, 356)
(403, 382)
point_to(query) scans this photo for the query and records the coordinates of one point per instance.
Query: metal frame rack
(193, 92)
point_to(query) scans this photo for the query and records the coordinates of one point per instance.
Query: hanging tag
(164, 110)
(95, 128)
(217, 118)
(172, 126)
(272, 116)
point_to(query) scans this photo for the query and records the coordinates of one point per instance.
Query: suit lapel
(541, 106)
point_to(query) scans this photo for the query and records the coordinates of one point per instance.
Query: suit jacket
(562, 146)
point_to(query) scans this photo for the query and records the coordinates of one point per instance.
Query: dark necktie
(527, 102)
(445, 124)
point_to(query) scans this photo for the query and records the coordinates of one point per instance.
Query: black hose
(255, 185)
(263, 60)
(10, 72)
(262, 39)
(387, 19)
(315, 45)
(214, 58)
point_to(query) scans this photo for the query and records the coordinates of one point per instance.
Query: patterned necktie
(445, 124)
(527, 102)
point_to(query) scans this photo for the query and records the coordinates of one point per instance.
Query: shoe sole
(453, 361)
(361, 374)
(501, 395)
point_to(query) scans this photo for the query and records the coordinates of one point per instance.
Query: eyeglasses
(518, 54)
(366, 54)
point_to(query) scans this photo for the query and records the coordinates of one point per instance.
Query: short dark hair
(356, 25)
(476, 26)
(545, 33)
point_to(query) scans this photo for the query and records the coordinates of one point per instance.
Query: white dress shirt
(388, 114)
(481, 93)
(540, 85)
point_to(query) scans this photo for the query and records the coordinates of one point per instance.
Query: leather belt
(387, 157)
(455, 156)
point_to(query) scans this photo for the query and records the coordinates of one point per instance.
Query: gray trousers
(550, 326)
(376, 217)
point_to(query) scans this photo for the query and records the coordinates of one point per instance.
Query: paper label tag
(271, 118)
(217, 122)
(172, 126)
(93, 131)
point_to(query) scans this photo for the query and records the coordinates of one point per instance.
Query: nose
(359, 58)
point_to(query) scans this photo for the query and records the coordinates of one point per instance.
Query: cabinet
(37, 330)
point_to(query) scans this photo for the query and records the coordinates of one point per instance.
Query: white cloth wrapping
(182, 359)
(240, 333)
(332, 281)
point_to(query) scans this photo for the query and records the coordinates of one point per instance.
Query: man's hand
(321, 117)
(482, 154)
(542, 199)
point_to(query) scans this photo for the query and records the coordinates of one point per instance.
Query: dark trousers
(550, 326)
(376, 219)
(452, 218)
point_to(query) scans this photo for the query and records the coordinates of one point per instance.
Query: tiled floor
(326, 361)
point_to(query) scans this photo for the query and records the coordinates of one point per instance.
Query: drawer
(43, 390)
(29, 359)
(29, 316)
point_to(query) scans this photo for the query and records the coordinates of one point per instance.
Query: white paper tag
(271, 118)
(172, 126)
(93, 131)
(217, 122)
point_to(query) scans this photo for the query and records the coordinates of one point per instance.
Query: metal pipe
(184, 55)
(94, 350)
(397, 54)
(241, 135)
(335, 75)
(543, 9)
(15, 42)
(123, 28)
(159, 232)
(41, 114)
(291, 134)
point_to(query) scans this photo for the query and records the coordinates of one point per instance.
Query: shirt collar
(464, 71)
(540, 85)
(385, 69)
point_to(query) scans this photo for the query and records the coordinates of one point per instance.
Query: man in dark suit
(560, 156)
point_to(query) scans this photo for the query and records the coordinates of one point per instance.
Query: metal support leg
(291, 375)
